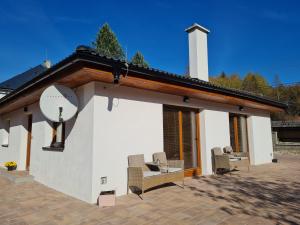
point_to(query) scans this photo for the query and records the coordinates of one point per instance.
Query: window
(5, 133)
(58, 135)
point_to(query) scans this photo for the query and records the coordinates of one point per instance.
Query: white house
(125, 110)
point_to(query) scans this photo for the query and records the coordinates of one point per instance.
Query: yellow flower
(10, 164)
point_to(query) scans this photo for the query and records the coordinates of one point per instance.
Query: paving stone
(268, 194)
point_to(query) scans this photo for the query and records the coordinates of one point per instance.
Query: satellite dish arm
(60, 114)
(59, 129)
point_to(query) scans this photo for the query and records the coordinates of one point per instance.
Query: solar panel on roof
(20, 79)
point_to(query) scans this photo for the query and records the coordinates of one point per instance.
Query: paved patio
(269, 194)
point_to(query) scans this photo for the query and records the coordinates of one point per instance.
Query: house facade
(125, 109)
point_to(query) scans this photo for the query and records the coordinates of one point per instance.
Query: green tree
(138, 59)
(278, 87)
(107, 44)
(232, 81)
(291, 95)
(257, 84)
(235, 81)
(223, 75)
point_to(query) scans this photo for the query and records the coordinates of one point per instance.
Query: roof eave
(148, 73)
(179, 80)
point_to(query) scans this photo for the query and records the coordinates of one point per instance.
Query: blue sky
(246, 36)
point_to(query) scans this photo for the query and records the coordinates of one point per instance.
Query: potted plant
(10, 166)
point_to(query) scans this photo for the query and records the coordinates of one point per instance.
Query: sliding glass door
(189, 139)
(238, 132)
(171, 133)
(181, 137)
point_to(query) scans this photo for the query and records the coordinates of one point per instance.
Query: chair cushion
(217, 151)
(169, 169)
(244, 158)
(151, 173)
(228, 149)
(173, 169)
(234, 159)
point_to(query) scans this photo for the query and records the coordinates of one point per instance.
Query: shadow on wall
(110, 103)
(278, 200)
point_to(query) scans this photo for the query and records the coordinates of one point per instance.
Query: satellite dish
(58, 103)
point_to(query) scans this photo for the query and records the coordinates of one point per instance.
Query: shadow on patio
(277, 200)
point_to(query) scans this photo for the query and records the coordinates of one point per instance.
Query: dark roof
(285, 124)
(6, 90)
(20, 79)
(88, 55)
(181, 79)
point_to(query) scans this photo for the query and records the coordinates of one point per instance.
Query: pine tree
(138, 59)
(107, 44)
(223, 75)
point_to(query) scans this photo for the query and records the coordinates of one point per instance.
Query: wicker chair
(229, 161)
(162, 159)
(140, 177)
(229, 150)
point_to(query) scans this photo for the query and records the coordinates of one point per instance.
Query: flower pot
(107, 199)
(11, 168)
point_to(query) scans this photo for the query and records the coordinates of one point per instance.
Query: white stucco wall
(69, 171)
(214, 132)
(123, 110)
(114, 122)
(260, 139)
(122, 126)
(17, 143)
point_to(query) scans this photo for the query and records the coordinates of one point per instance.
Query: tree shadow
(278, 200)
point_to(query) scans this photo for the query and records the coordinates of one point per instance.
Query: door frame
(29, 137)
(197, 170)
(237, 133)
